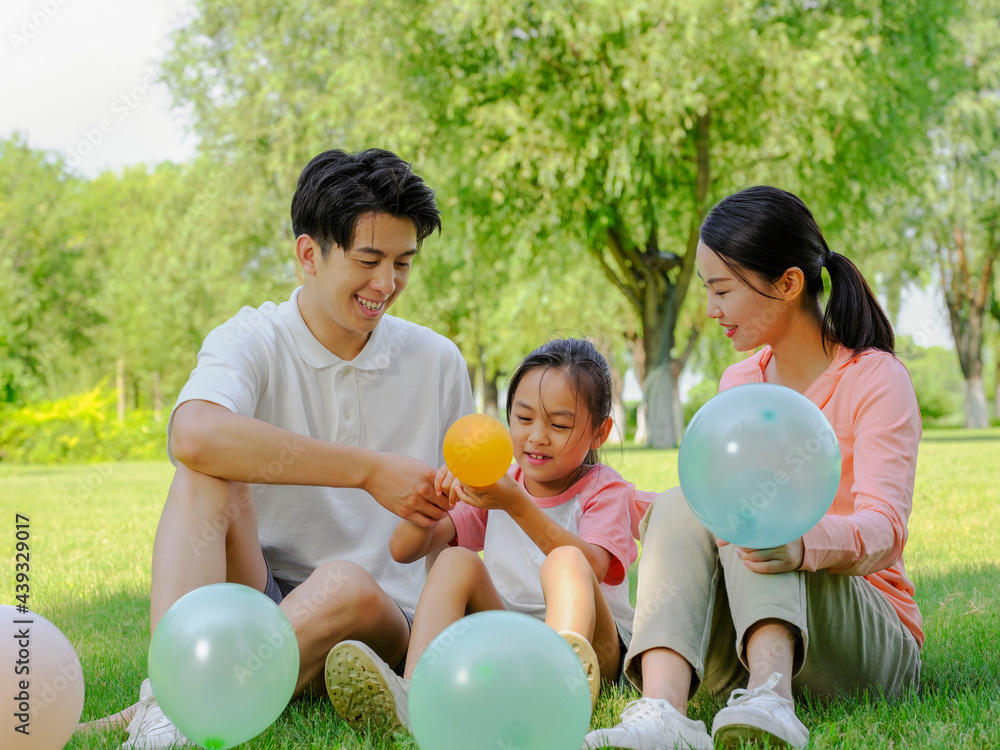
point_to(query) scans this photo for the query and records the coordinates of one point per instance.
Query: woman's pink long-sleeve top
(870, 402)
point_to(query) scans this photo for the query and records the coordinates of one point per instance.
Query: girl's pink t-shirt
(869, 400)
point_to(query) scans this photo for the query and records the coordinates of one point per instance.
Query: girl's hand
(773, 560)
(446, 484)
(504, 494)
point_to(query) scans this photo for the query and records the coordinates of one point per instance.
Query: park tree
(958, 212)
(628, 121)
(995, 314)
(271, 86)
(46, 281)
(616, 124)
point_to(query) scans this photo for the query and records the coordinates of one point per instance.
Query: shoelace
(640, 710)
(763, 694)
(146, 721)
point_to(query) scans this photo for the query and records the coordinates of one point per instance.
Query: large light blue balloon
(223, 663)
(497, 680)
(759, 465)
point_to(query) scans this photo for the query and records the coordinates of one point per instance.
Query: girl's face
(551, 429)
(749, 317)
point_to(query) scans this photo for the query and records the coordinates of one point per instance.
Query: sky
(79, 77)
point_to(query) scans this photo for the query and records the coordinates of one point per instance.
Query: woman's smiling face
(750, 317)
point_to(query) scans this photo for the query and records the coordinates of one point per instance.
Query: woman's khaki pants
(699, 600)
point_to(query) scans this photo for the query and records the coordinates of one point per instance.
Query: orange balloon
(478, 450)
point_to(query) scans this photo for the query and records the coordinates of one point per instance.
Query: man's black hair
(337, 188)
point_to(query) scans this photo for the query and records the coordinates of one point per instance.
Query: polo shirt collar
(375, 355)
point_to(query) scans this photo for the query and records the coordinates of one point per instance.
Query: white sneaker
(588, 657)
(149, 728)
(759, 715)
(364, 689)
(651, 724)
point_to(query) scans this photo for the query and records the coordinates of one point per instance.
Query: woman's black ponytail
(853, 317)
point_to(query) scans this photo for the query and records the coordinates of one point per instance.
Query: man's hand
(405, 486)
(772, 560)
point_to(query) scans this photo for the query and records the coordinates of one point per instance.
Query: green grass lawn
(92, 533)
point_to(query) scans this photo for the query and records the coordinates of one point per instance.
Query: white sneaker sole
(744, 735)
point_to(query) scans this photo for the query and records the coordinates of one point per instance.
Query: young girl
(557, 532)
(831, 612)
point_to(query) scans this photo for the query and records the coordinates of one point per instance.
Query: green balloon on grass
(759, 465)
(499, 680)
(223, 663)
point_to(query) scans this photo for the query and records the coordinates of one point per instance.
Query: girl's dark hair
(585, 367)
(765, 231)
(337, 188)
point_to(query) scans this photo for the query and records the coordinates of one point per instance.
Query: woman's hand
(772, 560)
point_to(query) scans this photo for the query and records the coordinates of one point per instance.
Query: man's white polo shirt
(399, 395)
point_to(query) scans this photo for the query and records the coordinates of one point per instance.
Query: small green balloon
(223, 664)
(499, 680)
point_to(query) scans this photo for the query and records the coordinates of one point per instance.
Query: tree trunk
(996, 391)
(656, 282)
(473, 376)
(893, 287)
(620, 428)
(666, 419)
(157, 397)
(491, 396)
(967, 300)
(977, 414)
(641, 433)
(639, 365)
(120, 388)
(663, 412)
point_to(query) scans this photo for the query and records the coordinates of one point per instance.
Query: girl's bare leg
(574, 601)
(456, 586)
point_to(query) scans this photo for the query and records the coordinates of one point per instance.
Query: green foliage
(574, 149)
(548, 128)
(80, 428)
(698, 396)
(955, 214)
(45, 279)
(937, 381)
(622, 124)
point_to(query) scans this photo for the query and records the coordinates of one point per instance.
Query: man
(308, 428)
